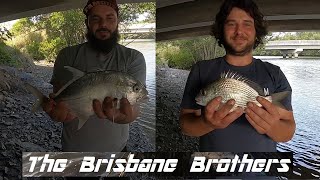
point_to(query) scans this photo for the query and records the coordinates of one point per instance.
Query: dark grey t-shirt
(96, 134)
(239, 136)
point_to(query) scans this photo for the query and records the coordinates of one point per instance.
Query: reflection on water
(147, 114)
(304, 78)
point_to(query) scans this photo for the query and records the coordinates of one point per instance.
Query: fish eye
(203, 92)
(136, 88)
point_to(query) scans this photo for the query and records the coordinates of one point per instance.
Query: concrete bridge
(292, 48)
(138, 28)
(15, 9)
(185, 18)
(188, 18)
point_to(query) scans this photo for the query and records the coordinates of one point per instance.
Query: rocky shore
(23, 131)
(170, 87)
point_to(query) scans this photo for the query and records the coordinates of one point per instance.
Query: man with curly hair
(239, 27)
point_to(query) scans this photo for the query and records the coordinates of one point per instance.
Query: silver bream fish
(232, 85)
(80, 92)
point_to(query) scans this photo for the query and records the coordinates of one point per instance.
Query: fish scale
(232, 85)
(82, 89)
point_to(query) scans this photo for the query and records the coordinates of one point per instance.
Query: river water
(304, 78)
(147, 117)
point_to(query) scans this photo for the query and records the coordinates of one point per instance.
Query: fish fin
(82, 119)
(40, 97)
(239, 77)
(278, 97)
(76, 74)
(269, 98)
(118, 104)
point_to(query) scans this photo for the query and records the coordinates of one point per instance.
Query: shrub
(12, 57)
(184, 53)
(51, 48)
(181, 59)
(5, 58)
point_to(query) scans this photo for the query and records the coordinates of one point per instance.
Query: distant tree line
(43, 36)
(182, 54)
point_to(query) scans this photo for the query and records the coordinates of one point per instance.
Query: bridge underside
(194, 18)
(185, 18)
(15, 9)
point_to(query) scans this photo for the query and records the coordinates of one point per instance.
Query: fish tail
(40, 97)
(278, 97)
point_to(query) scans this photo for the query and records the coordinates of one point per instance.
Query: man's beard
(106, 45)
(232, 51)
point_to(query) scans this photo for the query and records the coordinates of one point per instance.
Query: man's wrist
(206, 122)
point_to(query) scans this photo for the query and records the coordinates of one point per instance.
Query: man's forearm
(194, 125)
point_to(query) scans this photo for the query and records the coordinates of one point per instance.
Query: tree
(22, 26)
(67, 28)
(130, 14)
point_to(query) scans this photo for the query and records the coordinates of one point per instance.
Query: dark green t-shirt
(239, 136)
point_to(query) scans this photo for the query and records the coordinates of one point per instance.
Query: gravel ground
(23, 131)
(170, 87)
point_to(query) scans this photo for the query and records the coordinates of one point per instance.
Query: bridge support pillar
(291, 53)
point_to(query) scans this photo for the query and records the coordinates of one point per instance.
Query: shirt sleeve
(59, 73)
(191, 89)
(283, 85)
(137, 67)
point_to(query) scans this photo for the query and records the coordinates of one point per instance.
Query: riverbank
(170, 87)
(23, 131)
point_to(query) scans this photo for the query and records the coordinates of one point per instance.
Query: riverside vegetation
(182, 54)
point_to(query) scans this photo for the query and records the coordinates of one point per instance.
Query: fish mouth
(143, 99)
(199, 100)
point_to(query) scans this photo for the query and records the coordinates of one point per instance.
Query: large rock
(7, 81)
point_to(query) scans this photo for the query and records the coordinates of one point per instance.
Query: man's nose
(103, 23)
(239, 29)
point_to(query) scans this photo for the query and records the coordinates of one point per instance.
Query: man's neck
(239, 60)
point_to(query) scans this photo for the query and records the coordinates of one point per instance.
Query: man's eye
(95, 19)
(248, 24)
(110, 18)
(203, 92)
(230, 24)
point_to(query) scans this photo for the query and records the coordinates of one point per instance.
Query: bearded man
(108, 130)
(239, 27)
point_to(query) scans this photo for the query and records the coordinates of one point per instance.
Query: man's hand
(58, 111)
(217, 114)
(108, 110)
(262, 119)
(269, 119)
